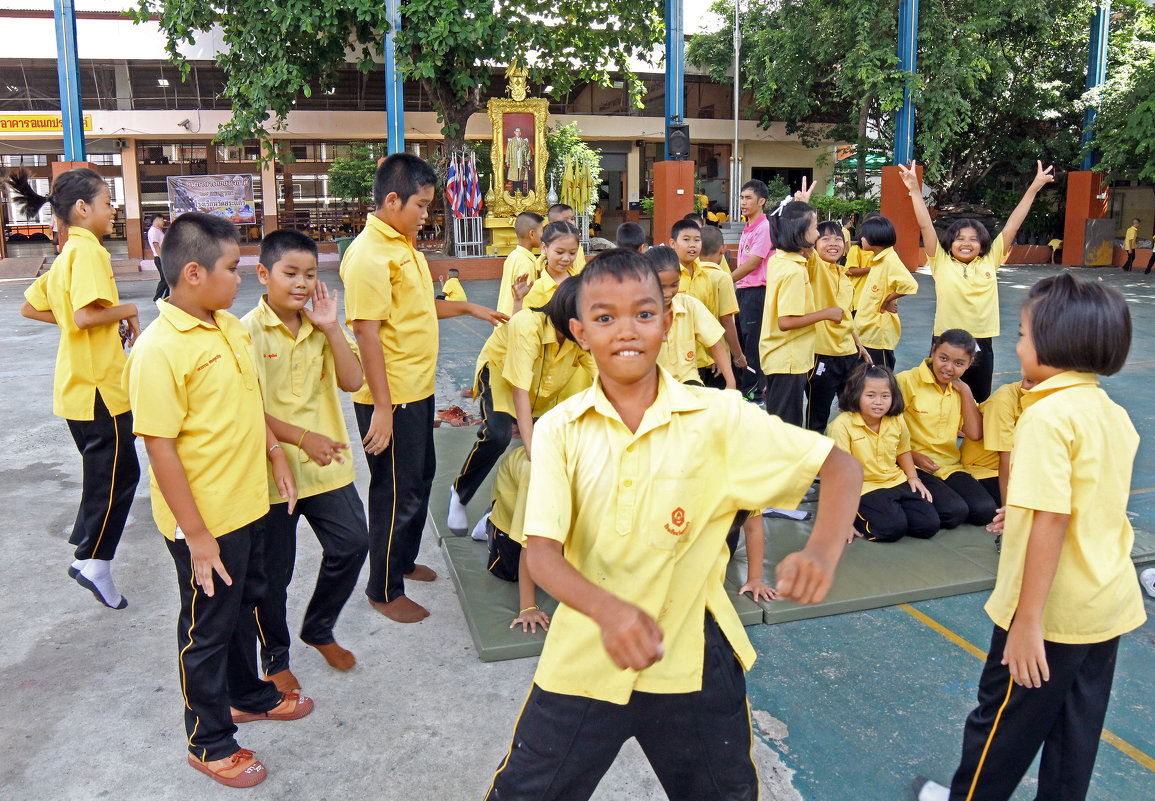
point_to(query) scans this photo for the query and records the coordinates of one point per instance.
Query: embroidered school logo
(677, 525)
(690, 355)
(210, 361)
(270, 355)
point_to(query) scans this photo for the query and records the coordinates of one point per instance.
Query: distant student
(631, 236)
(939, 405)
(725, 304)
(786, 345)
(634, 486)
(196, 402)
(1066, 590)
(693, 328)
(876, 322)
(560, 212)
(560, 246)
(390, 305)
(989, 459)
(1130, 241)
(895, 503)
(451, 288)
(155, 240)
(304, 361)
(858, 265)
(754, 249)
(526, 368)
(78, 294)
(686, 240)
(837, 350)
(521, 264)
(966, 273)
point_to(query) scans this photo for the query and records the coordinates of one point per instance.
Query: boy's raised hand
(521, 286)
(324, 311)
(1043, 176)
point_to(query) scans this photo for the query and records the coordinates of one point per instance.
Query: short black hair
(956, 337)
(278, 243)
(526, 222)
(1079, 325)
(878, 231)
(562, 306)
(695, 217)
(69, 187)
(712, 240)
(662, 258)
(960, 225)
(790, 225)
(759, 188)
(556, 210)
(830, 228)
(403, 174)
(454, 272)
(620, 265)
(630, 235)
(683, 225)
(559, 229)
(194, 236)
(850, 395)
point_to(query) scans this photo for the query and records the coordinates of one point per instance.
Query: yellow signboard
(36, 123)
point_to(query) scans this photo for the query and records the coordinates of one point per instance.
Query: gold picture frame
(507, 198)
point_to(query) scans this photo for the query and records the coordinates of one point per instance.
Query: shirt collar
(672, 397)
(710, 265)
(183, 321)
(926, 375)
(270, 319)
(797, 258)
(753, 224)
(682, 267)
(882, 254)
(1064, 380)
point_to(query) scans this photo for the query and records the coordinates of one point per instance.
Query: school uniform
(786, 356)
(1077, 448)
(751, 293)
(520, 262)
(523, 353)
(1130, 240)
(87, 391)
(967, 297)
(543, 288)
(646, 515)
(387, 279)
(888, 509)
(692, 329)
(857, 257)
(934, 416)
(579, 261)
(453, 290)
(510, 493)
(1000, 415)
(194, 383)
(725, 304)
(878, 329)
(835, 354)
(298, 377)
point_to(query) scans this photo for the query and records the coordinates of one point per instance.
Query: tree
(351, 176)
(997, 85)
(566, 140)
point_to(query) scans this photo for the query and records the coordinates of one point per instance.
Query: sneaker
(1147, 579)
(458, 518)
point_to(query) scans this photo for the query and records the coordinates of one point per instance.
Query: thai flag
(453, 188)
(473, 187)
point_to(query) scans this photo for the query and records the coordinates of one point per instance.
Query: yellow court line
(1144, 759)
(1141, 491)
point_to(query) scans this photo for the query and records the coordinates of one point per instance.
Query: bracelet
(269, 452)
(527, 609)
(304, 434)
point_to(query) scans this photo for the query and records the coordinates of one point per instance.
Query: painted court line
(1144, 759)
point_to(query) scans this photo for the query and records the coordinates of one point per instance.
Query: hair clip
(785, 201)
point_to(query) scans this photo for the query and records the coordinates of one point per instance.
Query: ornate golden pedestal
(518, 162)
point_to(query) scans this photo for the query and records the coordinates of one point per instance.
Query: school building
(143, 124)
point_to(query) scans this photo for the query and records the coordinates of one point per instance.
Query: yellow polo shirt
(693, 331)
(195, 383)
(645, 515)
(536, 363)
(788, 294)
(966, 296)
(831, 287)
(543, 288)
(87, 361)
(857, 257)
(876, 327)
(1000, 415)
(453, 290)
(726, 297)
(510, 492)
(1077, 448)
(700, 285)
(1130, 238)
(877, 452)
(387, 279)
(298, 378)
(520, 262)
(933, 416)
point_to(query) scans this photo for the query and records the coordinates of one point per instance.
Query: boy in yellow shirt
(196, 402)
(725, 306)
(521, 264)
(304, 361)
(631, 236)
(876, 323)
(560, 212)
(451, 288)
(634, 486)
(1130, 241)
(391, 307)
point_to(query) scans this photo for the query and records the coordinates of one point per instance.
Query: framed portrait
(519, 156)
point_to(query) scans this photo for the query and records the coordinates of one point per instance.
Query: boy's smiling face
(291, 280)
(688, 245)
(622, 324)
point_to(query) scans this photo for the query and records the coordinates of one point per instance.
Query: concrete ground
(844, 707)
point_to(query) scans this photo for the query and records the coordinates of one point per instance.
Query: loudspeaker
(677, 141)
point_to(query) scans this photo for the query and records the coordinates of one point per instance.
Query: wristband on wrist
(527, 609)
(269, 452)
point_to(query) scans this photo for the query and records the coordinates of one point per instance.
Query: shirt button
(629, 449)
(627, 483)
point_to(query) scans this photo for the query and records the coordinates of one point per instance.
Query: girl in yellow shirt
(559, 249)
(79, 295)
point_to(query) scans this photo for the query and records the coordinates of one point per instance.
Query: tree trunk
(454, 117)
(860, 150)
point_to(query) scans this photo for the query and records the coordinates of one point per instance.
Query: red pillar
(673, 196)
(1083, 203)
(896, 207)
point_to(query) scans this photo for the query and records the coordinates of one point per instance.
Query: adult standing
(754, 249)
(155, 238)
(518, 162)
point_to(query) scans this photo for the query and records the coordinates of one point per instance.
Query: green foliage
(832, 207)
(778, 189)
(565, 140)
(351, 177)
(647, 206)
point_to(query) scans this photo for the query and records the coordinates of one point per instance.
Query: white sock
(933, 791)
(479, 532)
(78, 565)
(458, 518)
(99, 573)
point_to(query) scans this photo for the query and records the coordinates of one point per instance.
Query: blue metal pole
(68, 74)
(1096, 70)
(907, 57)
(394, 84)
(675, 65)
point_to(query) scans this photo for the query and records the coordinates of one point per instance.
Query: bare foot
(285, 680)
(421, 573)
(401, 610)
(335, 655)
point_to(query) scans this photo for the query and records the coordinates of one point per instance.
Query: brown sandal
(239, 770)
(291, 707)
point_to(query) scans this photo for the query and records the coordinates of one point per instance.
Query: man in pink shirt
(749, 276)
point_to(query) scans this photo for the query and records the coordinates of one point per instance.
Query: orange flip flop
(292, 707)
(239, 770)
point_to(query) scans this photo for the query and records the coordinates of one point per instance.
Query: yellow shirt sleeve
(900, 280)
(524, 350)
(839, 432)
(551, 513)
(158, 398)
(37, 294)
(727, 296)
(1047, 489)
(92, 282)
(792, 295)
(368, 290)
(707, 330)
(903, 436)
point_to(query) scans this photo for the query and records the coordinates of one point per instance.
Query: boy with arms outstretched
(639, 479)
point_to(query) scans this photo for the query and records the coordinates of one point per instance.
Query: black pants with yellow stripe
(891, 513)
(493, 437)
(111, 471)
(215, 641)
(1064, 718)
(697, 743)
(823, 383)
(785, 396)
(400, 480)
